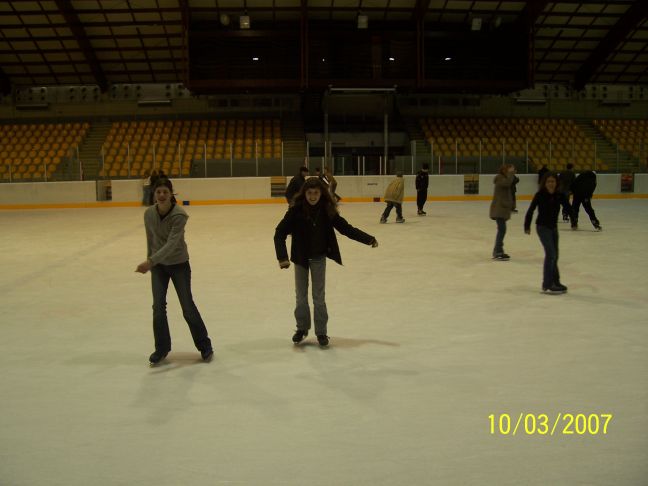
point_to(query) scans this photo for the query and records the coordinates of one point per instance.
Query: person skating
(583, 189)
(311, 222)
(421, 183)
(296, 184)
(500, 208)
(543, 170)
(514, 184)
(168, 259)
(332, 183)
(548, 200)
(394, 198)
(565, 181)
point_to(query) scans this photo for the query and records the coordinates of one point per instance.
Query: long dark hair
(325, 199)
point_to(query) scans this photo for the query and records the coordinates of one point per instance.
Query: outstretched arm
(341, 224)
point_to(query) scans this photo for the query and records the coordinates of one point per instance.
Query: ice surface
(429, 337)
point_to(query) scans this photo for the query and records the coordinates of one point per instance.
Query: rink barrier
(243, 190)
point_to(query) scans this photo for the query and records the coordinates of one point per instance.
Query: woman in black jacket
(548, 201)
(311, 222)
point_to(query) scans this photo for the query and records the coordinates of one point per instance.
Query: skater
(500, 208)
(394, 198)
(565, 180)
(311, 222)
(543, 170)
(421, 183)
(583, 188)
(296, 184)
(153, 178)
(147, 189)
(548, 201)
(514, 184)
(332, 183)
(168, 259)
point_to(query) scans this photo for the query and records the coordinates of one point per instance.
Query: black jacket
(565, 180)
(422, 181)
(584, 185)
(294, 186)
(548, 208)
(295, 223)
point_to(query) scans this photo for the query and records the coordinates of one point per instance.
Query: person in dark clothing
(565, 181)
(516, 179)
(583, 188)
(543, 170)
(548, 201)
(153, 178)
(500, 208)
(296, 184)
(421, 183)
(311, 221)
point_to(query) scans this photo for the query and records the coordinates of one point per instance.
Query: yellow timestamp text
(545, 424)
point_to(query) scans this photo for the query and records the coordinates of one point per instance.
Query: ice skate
(156, 357)
(554, 289)
(503, 257)
(323, 340)
(207, 354)
(299, 336)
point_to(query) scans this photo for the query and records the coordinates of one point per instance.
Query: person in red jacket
(311, 222)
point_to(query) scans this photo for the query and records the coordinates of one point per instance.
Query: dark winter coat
(295, 223)
(584, 185)
(548, 208)
(422, 181)
(294, 186)
(502, 203)
(565, 180)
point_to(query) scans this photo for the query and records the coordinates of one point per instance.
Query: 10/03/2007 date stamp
(543, 424)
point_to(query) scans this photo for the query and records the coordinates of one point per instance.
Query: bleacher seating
(630, 135)
(30, 152)
(554, 142)
(172, 144)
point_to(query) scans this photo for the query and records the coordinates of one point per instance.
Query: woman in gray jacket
(501, 207)
(168, 259)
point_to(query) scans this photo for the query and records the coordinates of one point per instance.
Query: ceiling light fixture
(363, 21)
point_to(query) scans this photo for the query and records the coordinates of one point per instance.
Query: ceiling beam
(629, 21)
(532, 10)
(79, 33)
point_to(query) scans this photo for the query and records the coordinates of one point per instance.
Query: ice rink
(429, 337)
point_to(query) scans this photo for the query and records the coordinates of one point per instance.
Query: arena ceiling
(72, 42)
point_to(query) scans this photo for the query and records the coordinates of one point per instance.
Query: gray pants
(317, 267)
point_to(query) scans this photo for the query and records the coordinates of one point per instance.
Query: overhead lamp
(244, 22)
(224, 19)
(363, 21)
(476, 24)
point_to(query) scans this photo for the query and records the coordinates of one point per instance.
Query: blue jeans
(317, 267)
(180, 274)
(499, 238)
(549, 239)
